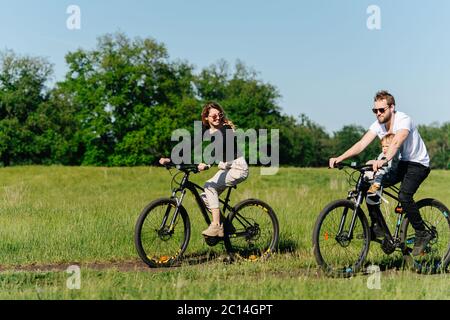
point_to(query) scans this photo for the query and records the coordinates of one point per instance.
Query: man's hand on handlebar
(333, 162)
(377, 164)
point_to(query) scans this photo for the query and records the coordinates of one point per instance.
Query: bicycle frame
(193, 188)
(358, 195)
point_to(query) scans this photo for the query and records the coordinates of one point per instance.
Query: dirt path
(137, 265)
(124, 266)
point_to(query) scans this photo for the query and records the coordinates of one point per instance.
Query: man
(413, 168)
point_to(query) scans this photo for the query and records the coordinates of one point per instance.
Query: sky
(321, 55)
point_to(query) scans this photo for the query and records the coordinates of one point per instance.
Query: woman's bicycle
(342, 236)
(163, 229)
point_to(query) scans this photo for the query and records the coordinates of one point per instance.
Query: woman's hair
(214, 105)
(387, 138)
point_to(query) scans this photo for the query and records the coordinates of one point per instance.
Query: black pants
(411, 175)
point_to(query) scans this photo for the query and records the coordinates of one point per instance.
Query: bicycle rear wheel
(340, 253)
(437, 254)
(156, 242)
(252, 230)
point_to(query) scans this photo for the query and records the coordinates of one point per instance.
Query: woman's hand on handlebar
(164, 161)
(203, 167)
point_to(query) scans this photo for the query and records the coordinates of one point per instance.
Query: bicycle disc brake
(253, 232)
(343, 239)
(164, 234)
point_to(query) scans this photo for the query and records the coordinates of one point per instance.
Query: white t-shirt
(413, 148)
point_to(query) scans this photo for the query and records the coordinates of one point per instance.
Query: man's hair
(388, 138)
(383, 94)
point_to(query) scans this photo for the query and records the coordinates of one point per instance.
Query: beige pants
(229, 174)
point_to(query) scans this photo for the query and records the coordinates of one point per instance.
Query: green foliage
(303, 142)
(349, 135)
(437, 141)
(120, 102)
(247, 100)
(120, 90)
(33, 124)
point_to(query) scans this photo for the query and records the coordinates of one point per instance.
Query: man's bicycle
(342, 236)
(163, 228)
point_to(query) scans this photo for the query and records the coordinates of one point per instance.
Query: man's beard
(386, 119)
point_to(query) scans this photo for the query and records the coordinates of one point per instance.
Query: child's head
(386, 142)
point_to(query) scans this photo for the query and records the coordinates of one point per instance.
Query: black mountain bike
(341, 236)
(163, 228)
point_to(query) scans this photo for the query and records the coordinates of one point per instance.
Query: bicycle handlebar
(356, 166)
(185, 167)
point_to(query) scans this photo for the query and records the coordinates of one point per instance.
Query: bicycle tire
(433, 261)
(247, 239)
(162, 255)
(339, 268)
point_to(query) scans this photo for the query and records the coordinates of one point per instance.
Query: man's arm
(396, 143)
(356, 149)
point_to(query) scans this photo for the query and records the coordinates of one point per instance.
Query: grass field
(52, 217)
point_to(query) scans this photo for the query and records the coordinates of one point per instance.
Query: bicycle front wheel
(436, 257)
(158, 243)
(253, 230)
(338, 250)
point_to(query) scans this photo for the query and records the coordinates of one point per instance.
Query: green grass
(221, 282)
(56, 215)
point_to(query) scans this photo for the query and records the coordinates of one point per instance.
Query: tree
(436, 139)
(120, 102)
(129, 97)
(23, 92)
(348, 136)
(303, 142)
(248, 101)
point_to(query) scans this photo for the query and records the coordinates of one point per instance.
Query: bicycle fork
(353, 221)
(179, 201)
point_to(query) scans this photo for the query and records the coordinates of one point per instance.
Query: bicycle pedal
(212, 241)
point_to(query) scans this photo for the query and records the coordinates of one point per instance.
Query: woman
(233, 168)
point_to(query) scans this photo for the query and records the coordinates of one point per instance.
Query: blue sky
(320, 54)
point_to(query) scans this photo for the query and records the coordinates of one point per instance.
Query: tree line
(119, 103)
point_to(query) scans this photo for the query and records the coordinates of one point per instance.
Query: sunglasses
(380, 110)
(214, 116)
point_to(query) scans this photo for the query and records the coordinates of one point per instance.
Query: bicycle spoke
(160, 243)
(437, 249)
(255, 234)
(338, 252)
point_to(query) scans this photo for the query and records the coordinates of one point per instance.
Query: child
(384, 173)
